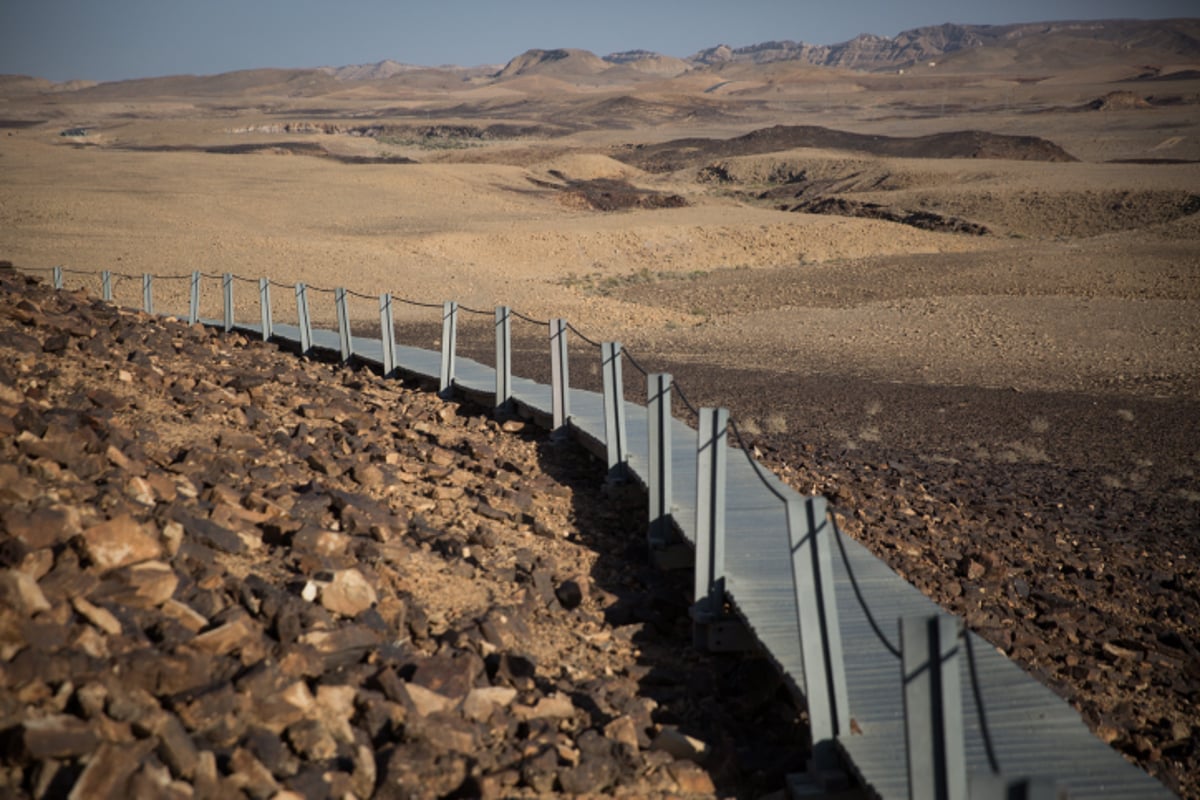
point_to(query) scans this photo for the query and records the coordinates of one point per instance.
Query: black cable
(273, 282)
(245, 280)
(69, 271)
(212, 276)
(633, 362)
(519, 315)
(416, 303)
(737, 434)
(360, 295)
(470, 310)
(837, 535)
(678, 390)
(581, 335)
(983, 724)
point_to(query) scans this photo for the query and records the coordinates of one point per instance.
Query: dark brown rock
(597, 768)
(311, 740)
(175, 747)
(540, 772)
(210, 534)
(569, 594)
(452, 676)
(44, 526)
(249, 774)
(118, 542)
(344, 645)
(148, 584)
(53, 736)
(418, 770)
(109, 769)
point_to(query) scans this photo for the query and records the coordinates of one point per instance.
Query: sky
(106, 40)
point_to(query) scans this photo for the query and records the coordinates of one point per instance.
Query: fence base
(724, 635)
(673, 556)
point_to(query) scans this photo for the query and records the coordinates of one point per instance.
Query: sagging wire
(837, 536)
(737, 434)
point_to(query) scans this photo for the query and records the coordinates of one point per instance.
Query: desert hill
(560, 62)
(289, 82)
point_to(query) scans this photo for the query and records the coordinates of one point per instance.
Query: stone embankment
(226, 571)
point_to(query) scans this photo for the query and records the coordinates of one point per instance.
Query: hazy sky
(119, 39)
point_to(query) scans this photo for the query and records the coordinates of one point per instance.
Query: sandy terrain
(1055, 356)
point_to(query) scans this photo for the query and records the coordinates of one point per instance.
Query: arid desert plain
(960, 298)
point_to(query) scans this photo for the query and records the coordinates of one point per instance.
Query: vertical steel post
(560, 379)
(711, 450)
(227, 291)
(106, 286)
(387, 334)
(194, 299)
(148, 293)
(933, 721)
(503, 358)
(264, 308)
(658, 412)
(345, 343)
(449, 342)
(303, 321)
(809, 531)
(58, 278)
(615, 443)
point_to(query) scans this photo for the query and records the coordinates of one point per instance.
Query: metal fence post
(615, 442)
(148, 293)
(449, 341)
(933, 721)
(809, 531)
(709, 582)
(264, 307)
(342, 302)
(560, 379)
(227, 291)
(658, 411)
(503, 358)
(194, 299)
(106, 286)
(58, 277)
(302, 319)
(387, 333)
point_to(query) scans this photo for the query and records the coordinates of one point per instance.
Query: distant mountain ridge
(1028, 46)
(872, 52)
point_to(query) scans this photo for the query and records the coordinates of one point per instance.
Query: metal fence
(936, 713)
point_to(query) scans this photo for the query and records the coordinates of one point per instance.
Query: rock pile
(1108, 616)
(228, 572)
